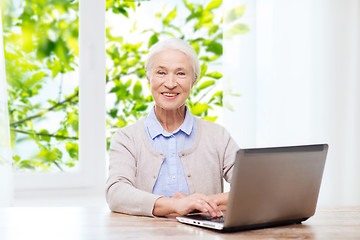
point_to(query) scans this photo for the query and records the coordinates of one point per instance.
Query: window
(42, 58)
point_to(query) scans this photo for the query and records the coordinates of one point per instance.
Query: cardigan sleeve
(121, 193)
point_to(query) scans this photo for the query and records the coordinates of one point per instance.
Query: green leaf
(44, 138)
(153, 39)
(113, 112)
(234, 14)
(37, 76)
(74, 121)
(137, 90)
(214, 47)
(213, 5)
(55, 68)
(217, 98)
(203, 68)
(128, 83)
(196, 46)
(199, 108)
(121, 10)
(218, 94)
(215, 75)
(58, 153)
(72, 149)
(211, 119)
(171, 16)
(62, 133)
(213, 30)
(189, 6)
(121, 122)
(141, 73)
(27, 164)
(206, 84)
(70, 164)
(45, 48)
(62, 52)
(47, 156)
(140, 107)
(16, 158)
(238, 28)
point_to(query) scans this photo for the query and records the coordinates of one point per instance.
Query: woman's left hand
(185, 204)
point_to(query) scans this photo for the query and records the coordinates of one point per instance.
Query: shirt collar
(155, 129)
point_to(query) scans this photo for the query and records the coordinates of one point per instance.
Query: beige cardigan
(134, 166)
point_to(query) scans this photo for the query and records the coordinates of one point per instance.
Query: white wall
(303, 86)
(239, 66)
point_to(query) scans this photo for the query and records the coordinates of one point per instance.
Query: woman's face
(171, 79)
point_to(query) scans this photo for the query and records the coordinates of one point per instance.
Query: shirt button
(173, 177)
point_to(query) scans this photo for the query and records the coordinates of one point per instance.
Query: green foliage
(41, 46)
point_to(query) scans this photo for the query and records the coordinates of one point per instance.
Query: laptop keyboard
(207, 217)
(218, 219)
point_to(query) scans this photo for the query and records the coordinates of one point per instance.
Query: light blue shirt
(171, 178)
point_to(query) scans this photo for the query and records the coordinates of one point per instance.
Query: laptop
(270, 187)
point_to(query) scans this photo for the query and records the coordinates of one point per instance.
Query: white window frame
(92, 139)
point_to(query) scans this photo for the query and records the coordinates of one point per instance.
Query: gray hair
(175, 44)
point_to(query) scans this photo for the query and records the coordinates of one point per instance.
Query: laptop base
(220, 226)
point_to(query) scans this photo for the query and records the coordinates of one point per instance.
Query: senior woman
(170, 161)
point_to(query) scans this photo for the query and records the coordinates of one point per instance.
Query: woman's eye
(181, 73)
(161, 73)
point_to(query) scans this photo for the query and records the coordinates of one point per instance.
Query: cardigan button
(189, 176)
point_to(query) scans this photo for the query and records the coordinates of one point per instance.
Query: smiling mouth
(170, 94)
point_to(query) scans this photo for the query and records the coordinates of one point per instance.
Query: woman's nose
(171, 82)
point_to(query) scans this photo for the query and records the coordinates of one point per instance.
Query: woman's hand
(184, 204)
(221, 199)
(188, 203)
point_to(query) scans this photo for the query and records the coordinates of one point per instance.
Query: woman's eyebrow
(162, 67)
(180, 69)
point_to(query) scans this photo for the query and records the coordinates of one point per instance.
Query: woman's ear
(193, 83)
(147, 77)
